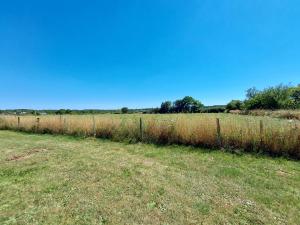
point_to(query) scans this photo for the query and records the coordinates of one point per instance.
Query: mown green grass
(65, 180)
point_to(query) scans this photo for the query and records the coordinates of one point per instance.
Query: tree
(269, 102)
(262, 101)
(60, 112)
(155, 110)
(124, 110)
(234, 105)
(278, 97)
(251, 92)
(63, 111)
(295, 96)
(68, 111)
(187, 105)
(166, 107)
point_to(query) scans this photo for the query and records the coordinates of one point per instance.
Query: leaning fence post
(18, 123)
(261, 132)
(141, 129)
(37, 124)
(219, 137)
(94, 126)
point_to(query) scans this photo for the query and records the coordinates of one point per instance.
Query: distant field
(284, 114)
(247, 133)
(47, 179)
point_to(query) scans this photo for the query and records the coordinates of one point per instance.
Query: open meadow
(56, 179)
(278, 137)
(150, 112)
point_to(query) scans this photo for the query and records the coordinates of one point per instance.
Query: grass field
(284, 114)
(249, 133)
(46, 179)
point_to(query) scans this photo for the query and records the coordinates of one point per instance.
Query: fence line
(252, 135)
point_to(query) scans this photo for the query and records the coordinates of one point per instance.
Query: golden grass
(282, 113)
(278, 137)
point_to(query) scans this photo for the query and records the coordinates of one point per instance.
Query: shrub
(124, 110)
(213, 109)
(185, 105)
(295, 97)
(278, 97)
(234, 105)
(166, 107)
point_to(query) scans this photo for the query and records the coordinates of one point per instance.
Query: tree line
(72, 111)
(277, 97)
(186, 105)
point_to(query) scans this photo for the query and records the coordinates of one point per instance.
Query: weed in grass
(126, 172)
(203, 207)
(151, 205)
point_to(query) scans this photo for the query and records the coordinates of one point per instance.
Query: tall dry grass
(278, 137)
(282, 113)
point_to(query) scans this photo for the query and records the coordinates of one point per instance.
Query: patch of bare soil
(283, 173)
(26, 155)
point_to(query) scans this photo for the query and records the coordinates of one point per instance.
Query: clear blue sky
(109, 54)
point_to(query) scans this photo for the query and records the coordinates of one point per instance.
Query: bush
(185, 105)
(124, 110)
(278, 97)
(234, 105)
(213, 109)
(166, 107)
(295, 97)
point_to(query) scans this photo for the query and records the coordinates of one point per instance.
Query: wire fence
(254, 134)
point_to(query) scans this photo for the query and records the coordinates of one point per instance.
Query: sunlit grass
(278, 137)
(47, 179)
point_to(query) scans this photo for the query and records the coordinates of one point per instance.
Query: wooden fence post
(18, 123)
(60, 123)
(261, 132)
(141, 129)
(94, 126)
(37, 124)
(219, 137)
(65, 128)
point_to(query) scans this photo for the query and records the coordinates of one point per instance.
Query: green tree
(68, 111)
(234, 105)
(60, 112)
(124, 110)
(295, 96)
(251, 92)
(166, 107)
(187, 105)
(277, 97)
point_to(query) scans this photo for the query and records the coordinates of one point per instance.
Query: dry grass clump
(277, 137)
(283, 114)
